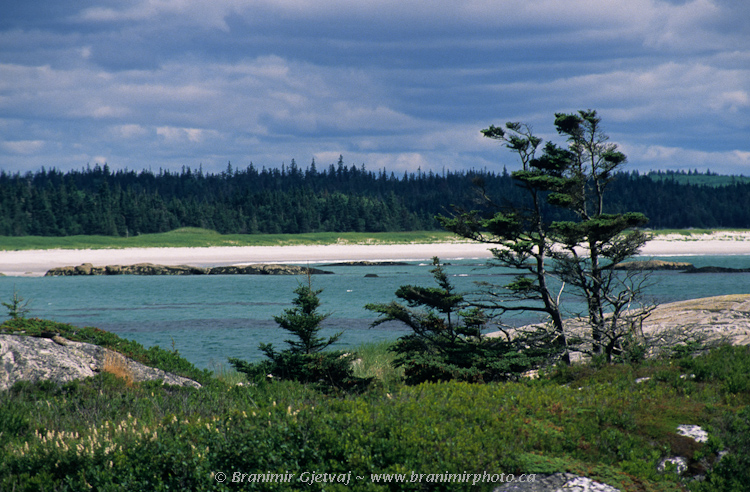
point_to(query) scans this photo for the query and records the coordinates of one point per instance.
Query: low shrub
(728, 365)
(103, 434)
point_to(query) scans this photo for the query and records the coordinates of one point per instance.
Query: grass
(116, 364)
(689, 233)
(375, 360)
(190, 237)
(108, 433)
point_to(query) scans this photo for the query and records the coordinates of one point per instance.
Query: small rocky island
(682, 267)
(151, 269)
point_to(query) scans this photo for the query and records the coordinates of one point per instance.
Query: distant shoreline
(37, 262)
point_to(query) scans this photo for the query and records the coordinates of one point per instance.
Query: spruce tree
(305, 359)
(447, 340)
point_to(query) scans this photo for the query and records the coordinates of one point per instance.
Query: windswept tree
(520, 231)
(563, 232)
(595, 241)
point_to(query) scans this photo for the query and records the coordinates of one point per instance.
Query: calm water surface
(210, 318)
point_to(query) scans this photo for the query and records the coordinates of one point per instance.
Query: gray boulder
(26, 358)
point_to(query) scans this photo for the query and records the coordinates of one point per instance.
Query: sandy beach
(37, 262)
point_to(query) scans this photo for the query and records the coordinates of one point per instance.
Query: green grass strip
(191, 237)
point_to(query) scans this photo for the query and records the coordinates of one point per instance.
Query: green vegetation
(104, 434)
(376, 360)
(689, 233)
(17, 306)
(191, 237)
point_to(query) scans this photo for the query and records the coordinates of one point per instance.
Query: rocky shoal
(681, 266)
(152, 269)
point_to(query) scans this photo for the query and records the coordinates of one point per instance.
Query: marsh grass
(117, 365)
(191, 237)
(228, 375)
(375, 360)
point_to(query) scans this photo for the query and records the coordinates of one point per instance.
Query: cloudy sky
(394, 84)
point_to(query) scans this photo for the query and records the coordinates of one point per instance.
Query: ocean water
(210, 318)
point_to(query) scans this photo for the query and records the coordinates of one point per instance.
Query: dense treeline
(293, 200)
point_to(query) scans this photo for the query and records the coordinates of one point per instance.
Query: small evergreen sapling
(18, 307)
(306, 359)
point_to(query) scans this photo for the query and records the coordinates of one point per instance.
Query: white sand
(717, 243)
(35, 263)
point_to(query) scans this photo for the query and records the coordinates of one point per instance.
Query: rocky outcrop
(27, 358)
(151, 269)
(654, 265)
(713, 320)
(719, 319)
(137, 269)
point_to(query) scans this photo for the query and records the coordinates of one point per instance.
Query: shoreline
(37, 262)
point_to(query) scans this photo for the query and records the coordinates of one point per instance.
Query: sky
(400, 85)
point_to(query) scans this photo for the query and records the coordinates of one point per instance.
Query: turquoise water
(210, 318)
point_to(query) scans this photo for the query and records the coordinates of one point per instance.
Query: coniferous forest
(340, 198)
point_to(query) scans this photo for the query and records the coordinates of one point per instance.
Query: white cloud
(201, 12)
(24, 147)
(129, 131)
(676, 158)
(98, 159)
(398, 162)
(106, 111)
(665, 92)
(732, 101)
(178, 135)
